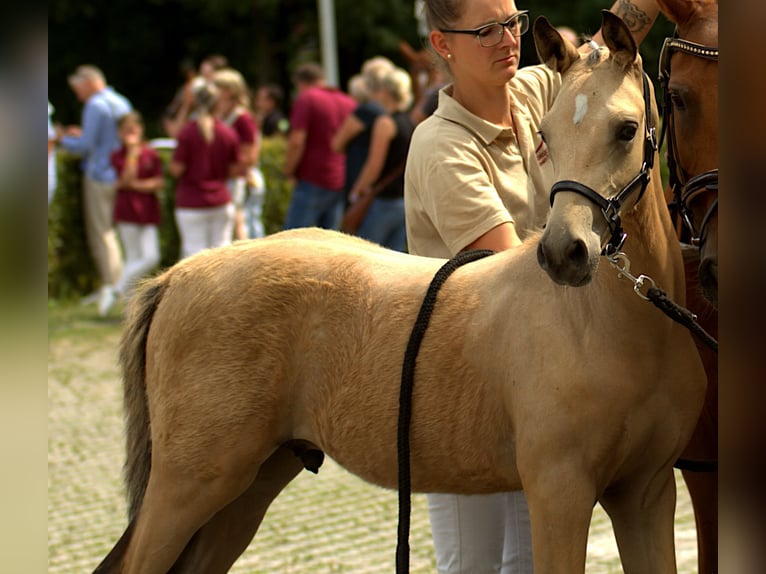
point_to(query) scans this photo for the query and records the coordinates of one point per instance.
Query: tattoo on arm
(633, 16)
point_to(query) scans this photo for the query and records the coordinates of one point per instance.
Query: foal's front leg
(560, 499)
(642, 513)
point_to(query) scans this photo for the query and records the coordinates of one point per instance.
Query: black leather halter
(610, 208)
(685, 189)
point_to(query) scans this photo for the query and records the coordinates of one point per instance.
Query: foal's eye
(627, 131)
(542, 136)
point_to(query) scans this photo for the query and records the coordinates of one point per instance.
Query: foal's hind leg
(182, 496)
(642, 514)
(218, 544)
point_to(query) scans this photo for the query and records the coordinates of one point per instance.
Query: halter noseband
(685, 189)
(610, 208)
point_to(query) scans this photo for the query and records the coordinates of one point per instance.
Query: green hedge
(71, 270)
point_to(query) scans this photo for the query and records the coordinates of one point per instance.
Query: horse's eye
(542, 136)
(677, 101)
(627, 131)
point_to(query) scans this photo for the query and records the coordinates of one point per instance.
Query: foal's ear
(619, 40)
(553, 49)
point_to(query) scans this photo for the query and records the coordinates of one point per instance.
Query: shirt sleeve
(92, 118)
(246, 129)
(456, 192)
(299, 116)
(537, 87)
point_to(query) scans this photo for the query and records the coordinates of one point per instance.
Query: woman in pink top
(206, 156)
(247, 191)
(136, 206)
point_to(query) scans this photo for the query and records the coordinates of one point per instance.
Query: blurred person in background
(268, 109)
(319, 172)
(137, 207)
(95, 140)
(383, 169)
(206, 156)
(247, 191)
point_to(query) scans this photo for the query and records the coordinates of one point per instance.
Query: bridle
(685, 189)
(610, 208)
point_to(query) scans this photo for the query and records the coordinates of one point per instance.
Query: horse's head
(689, 74)
(601, 145)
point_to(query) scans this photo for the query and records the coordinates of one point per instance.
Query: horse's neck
(652, 245)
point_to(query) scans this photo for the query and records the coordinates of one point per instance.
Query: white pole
(329, 45)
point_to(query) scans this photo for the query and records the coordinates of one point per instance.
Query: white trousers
(141, 244)
(481, 534)
(203, 228)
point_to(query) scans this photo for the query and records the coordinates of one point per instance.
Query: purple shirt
(203, 182)
(131, 206)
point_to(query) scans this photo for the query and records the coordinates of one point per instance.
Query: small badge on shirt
(541, 151)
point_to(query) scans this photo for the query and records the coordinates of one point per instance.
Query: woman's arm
(296, 144)
(639, 15)
(383, 131)
(351, 127)
(176, 168)
(499, 238)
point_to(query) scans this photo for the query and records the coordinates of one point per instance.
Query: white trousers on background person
(141, 244)
(482, 533)
(204, 227)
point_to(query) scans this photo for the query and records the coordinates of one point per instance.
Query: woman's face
(468, 59)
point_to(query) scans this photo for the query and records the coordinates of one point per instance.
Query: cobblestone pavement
(325, 523)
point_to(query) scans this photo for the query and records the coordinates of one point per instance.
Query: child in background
(137, 207)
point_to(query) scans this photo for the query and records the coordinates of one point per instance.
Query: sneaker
(91, 298)
(107, 300)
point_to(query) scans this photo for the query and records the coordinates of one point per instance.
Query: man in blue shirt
(95, 141)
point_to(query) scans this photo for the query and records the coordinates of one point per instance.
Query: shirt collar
(452, 111)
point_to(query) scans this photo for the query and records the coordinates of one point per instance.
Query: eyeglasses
(491, 34)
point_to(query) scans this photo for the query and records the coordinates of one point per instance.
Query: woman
(247, 191)
(353, 136)
(136, 207)
(204, 159)
(384, 165)
(477, 177)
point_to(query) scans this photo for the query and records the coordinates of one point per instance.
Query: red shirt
(203, 182)
(246, 127)
(319, 111)
(131, 206)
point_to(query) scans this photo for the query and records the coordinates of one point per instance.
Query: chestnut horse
(689, 74)
(246, 363)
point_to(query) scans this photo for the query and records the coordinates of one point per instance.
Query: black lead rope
(680, 315)
(405, 399)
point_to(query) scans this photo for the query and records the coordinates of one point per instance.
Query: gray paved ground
(332, 522)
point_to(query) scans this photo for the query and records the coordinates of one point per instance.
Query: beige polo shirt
(465, 175)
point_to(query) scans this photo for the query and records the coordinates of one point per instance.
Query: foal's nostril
(541, 260)
(577, 254)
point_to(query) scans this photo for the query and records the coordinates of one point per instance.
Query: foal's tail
(133, 361)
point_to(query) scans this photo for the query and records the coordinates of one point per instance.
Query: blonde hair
(374, 70)
(205, 98)
(358, 89)
(398, 83)
(232, 81)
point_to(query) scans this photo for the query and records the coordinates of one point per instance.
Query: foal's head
(597, 135)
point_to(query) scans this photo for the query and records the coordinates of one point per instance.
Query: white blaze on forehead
(581, 107)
